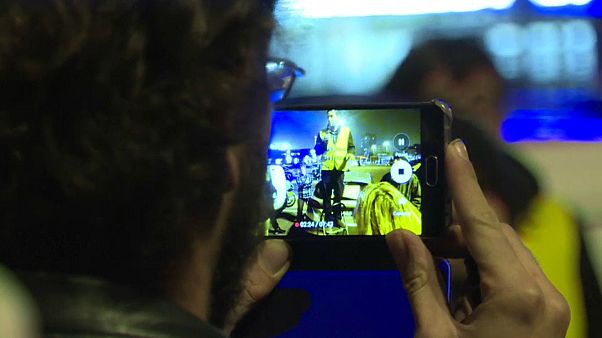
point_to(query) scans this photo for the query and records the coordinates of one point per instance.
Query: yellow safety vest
(335, 156)
(550, 232)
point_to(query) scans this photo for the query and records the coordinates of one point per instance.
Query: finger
(420, 279)
(555, 302)
(273, 260)
(466, 286)
(450, 245)
(481, 229)
(463, 309)
(524, 255)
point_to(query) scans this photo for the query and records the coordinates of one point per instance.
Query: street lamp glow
(280, 146)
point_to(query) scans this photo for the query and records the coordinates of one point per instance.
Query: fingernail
(274, 256)
(460, 148)
(460, 314)
(463, 309)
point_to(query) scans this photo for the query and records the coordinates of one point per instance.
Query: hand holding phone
(517, 300)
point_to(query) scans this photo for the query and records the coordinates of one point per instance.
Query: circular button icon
(401, 171)
(401, 141)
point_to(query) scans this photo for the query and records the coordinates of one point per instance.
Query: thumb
(262, 276)
(421, 283)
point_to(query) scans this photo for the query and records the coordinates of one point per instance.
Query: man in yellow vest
(335, 144)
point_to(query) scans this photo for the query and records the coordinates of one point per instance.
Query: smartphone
(342, 176)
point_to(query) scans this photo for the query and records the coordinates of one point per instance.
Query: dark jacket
(78, 307)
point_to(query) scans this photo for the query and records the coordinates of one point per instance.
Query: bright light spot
(373, 147)
(386, 144)
(560, 3)
(578, 35)
(544, 59)
(342, 122)
(402, 201)
(505, 40)
(280, 146)
(271, 66)
(580, 51)
(506, 43)
(351, 8)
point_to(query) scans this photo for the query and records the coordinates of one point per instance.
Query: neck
(193, 288)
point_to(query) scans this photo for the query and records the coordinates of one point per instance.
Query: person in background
(458, 71)
(382, 208)
(133, 140)
(461, 72)
(335, 144)
(275, 177)
(305, 190)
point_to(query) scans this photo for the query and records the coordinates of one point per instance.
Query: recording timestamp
(314, 225)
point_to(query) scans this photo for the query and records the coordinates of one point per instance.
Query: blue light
(560, 3)
(567, 8)
(543, 126)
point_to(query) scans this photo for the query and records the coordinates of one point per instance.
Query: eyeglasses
(281, 76)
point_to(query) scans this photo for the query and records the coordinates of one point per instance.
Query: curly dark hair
(114, 119)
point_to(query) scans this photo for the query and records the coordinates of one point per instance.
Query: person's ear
(232, 169)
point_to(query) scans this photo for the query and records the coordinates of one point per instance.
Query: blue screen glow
(544, 126)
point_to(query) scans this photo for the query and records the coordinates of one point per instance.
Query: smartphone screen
(346, 172)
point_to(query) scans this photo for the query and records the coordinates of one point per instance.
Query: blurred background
(547, 51)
